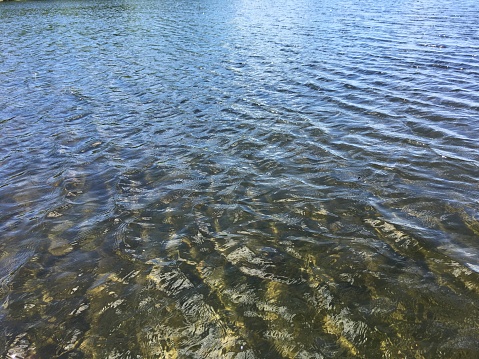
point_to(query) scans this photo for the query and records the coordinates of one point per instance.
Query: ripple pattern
(251, 179)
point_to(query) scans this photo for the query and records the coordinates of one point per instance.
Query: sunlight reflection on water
(244, 180)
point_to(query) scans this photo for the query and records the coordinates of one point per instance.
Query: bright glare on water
(239, 179)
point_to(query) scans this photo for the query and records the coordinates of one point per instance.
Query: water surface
(239, 179)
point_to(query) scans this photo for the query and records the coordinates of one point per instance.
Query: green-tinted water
(239, 179)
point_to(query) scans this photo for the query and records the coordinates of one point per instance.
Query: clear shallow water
(243, 179)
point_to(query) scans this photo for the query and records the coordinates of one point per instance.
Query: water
(239, 179)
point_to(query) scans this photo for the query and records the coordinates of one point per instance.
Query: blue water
(241, 179)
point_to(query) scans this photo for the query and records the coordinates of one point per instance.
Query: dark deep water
(239, 179)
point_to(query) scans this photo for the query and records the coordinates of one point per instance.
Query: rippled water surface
(239, 179)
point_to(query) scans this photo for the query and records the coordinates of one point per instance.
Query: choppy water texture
(239, 179)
